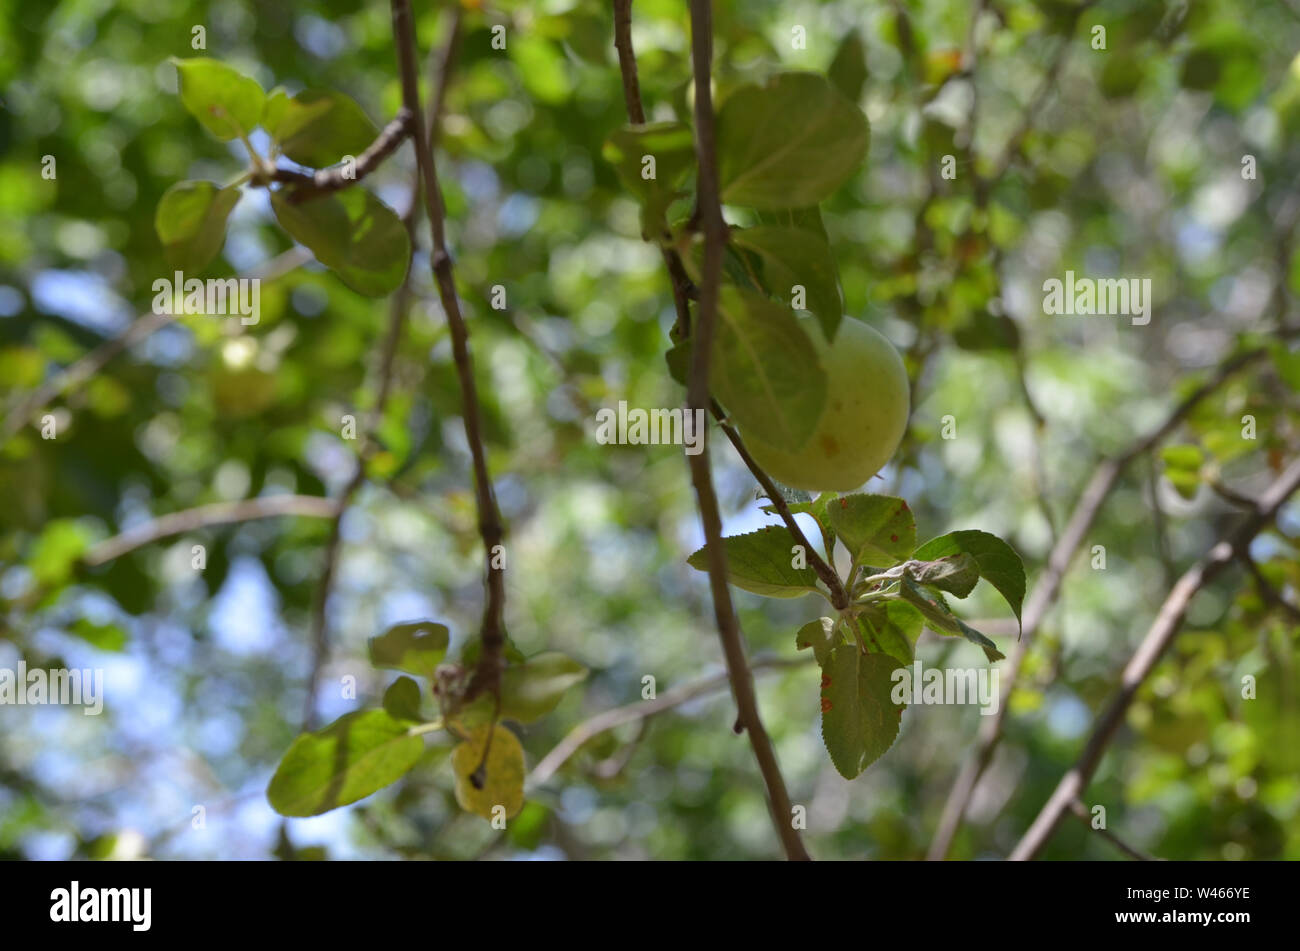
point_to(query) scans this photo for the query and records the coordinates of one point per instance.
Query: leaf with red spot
(878, 530)
(860, 719)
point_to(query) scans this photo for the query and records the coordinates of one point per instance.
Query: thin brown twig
(205, 516)
(627, 61)
(828, 575)
(399, 307)
(642, 709)
(714, 229)
(983, 184)
(1163, 548)
(306, 186)
(1162, 632)
(1269, 593)
(487, 673)
(683, 289)
(1045, 593)
(1080, 810)
(1231, 495)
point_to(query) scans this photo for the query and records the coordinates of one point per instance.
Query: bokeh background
(1126, 161)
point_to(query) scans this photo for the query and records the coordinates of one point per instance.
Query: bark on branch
(399, 306)
(697, 392)
(1161, 634)
(204, 516)
(492, 632)
(304, 186)
(1044, 595)
(642, 709)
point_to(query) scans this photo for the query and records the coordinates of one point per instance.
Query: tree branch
(697, 391)
(640, 710)
(492, 632)
(305, 186)
(1044, 595)
(399, 307)
(1269, 593)
(983, 184)
(683, 289)
(1161, 634)
(203, 516)
(627, 61)
(1080, 810)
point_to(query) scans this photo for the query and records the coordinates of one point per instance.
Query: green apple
(867, 402)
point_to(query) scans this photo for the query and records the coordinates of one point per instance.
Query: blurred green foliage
(1130, 163)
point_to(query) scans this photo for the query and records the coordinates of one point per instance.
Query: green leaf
(956, 574)
(859, 718)
(470, 652)
(765, 370)
(1183, 468)
(985, 331)
(55, 552)
(789, 143)
(930, 602)
(998, 562)
(354, 234)
(983, 640)
(316, 127)
(402, 699)
(820, 636)
(348, 760)
(225, 101)
(848, 70)
(1121, 76)
(762, 562)
(678, 358)
(191, 223)
(1285, 361)
(416, 647)
(877, 530)
(105, 637)
(891, 627)
(533, 689)
(503, 772)
(673, 149)
(803, 219)
(794, 256)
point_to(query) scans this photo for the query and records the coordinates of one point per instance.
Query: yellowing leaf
(502, 776)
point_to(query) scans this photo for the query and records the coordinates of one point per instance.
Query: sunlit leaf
(225, 101)
(348, 760)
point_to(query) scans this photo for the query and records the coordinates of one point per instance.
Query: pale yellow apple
(865, 414)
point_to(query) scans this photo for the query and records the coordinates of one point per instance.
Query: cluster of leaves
(783, 147)
(364, 751)
(351, 231)
(895, 587)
